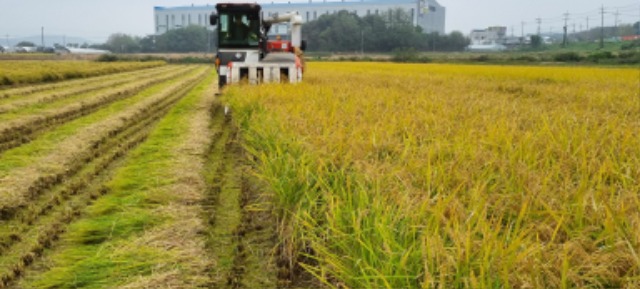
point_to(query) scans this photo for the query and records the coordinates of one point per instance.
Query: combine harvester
(245, 52)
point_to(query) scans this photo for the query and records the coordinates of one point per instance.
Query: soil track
(241, 234)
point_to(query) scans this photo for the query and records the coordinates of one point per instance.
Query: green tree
(123, 43)
(536, 41)
(387, 32)
(148, 44)
(457, 41)
(189, 39)
(26, 44)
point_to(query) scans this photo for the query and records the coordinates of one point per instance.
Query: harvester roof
(238, 7)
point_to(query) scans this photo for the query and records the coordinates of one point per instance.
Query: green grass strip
(100, 250)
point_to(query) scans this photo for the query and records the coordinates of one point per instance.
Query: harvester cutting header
(245, 51)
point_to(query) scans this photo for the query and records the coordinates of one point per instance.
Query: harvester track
(241, 233)
(55, 200)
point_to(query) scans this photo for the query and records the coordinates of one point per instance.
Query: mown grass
(452, 176)
(45, 144)
(25, 72)
(121, 239)
(86, 98)
(14, 99)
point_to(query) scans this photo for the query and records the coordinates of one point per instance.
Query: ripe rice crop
(23, 72)
(452, 176)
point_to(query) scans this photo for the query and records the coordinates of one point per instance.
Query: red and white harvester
(245, 52)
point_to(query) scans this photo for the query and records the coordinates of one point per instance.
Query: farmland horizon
(76, 19)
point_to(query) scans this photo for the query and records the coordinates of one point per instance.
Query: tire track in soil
(38, 227)
(242, 233)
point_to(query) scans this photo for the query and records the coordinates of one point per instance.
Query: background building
(491, 35)
(427, 14)
(490, 39)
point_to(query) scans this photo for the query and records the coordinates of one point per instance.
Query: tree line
(387, 32)
(339, 32)
(188, 39)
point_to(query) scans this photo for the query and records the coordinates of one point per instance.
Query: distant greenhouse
(72, 50)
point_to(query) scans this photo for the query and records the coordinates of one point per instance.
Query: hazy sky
(96, 20)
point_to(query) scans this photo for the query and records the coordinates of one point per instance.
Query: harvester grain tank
(245, 52)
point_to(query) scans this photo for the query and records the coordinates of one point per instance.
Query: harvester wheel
(222, 81)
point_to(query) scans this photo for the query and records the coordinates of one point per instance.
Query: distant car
(46, 49)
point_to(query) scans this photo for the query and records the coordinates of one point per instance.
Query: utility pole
(617, 33)
(7, 38)
(602, 27)
(522, 33)
(539, 20)
(587, 22)
(42, 37)
(588, 35)
(564, 38)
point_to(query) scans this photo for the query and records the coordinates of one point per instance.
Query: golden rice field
(452, 176)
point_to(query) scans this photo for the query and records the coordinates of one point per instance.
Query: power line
(624, 13)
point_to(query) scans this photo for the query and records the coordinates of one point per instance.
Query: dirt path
(241, 234)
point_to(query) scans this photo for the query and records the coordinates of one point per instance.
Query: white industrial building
(490, 39)
(427, 14)
(491, 35)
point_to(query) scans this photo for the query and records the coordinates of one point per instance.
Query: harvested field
(29, 71)
(366, 175)
(141, 162)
